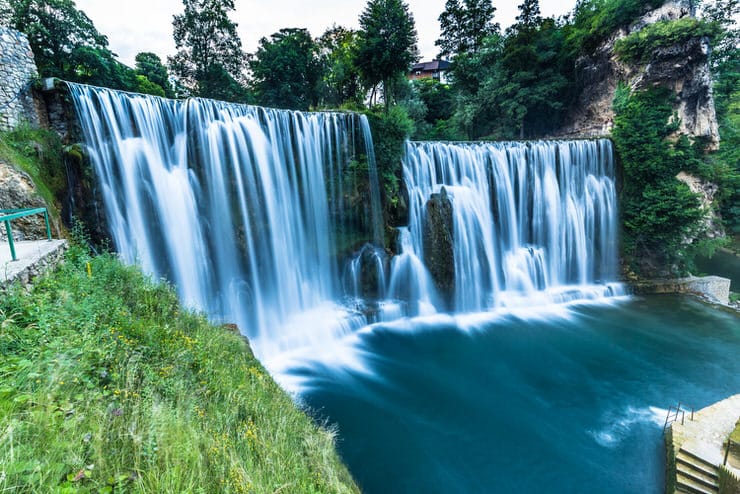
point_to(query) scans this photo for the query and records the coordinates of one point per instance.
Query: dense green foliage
(107, 385)
(659, 213)
(150, 66)
(209, 61)
(390, 130)
(432, 121)
(725, 62)
(341, 83)
(515, 85)
(464, 26)
(287, 70)
(594, 20)
(386, 47)
(58, 33)
(641, 45)
(66, 44)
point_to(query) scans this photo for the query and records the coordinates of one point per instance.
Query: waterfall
(271, 219)
(240, 207)
(533, 222)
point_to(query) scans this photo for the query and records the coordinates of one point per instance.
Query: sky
(134, 26)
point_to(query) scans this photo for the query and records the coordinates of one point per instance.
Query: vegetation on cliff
(659, 213)
(38, 153)
(108, 385)
(639, 46)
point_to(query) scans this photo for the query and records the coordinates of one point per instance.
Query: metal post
(48, 228)
(727, 451)
(10, 240)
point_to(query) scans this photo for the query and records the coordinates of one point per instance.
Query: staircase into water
(694, 474)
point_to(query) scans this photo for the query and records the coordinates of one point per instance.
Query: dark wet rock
(439, 248)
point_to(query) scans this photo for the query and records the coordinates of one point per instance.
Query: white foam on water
(620, 425)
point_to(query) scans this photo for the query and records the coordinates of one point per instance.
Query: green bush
(108, 385)
(390, 130)
(661, 216)
(595, 20)
(641, 45)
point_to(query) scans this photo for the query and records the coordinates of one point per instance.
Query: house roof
(431, 66)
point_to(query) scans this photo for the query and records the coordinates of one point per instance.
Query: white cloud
(134, 26)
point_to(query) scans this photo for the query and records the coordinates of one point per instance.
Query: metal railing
(675, 412)
(7, 215)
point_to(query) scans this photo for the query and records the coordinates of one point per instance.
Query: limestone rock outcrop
(683, 68)
(17, 191)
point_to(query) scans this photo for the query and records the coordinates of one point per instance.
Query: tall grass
(108, 385)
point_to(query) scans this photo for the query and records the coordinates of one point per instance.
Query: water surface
(561, 400)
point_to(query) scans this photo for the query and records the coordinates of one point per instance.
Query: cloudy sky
(133, 26)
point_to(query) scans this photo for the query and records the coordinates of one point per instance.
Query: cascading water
(238, 206)
(248, 211)
(533, 221)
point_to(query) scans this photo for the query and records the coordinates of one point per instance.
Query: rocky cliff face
(683, 68)
(17, 191)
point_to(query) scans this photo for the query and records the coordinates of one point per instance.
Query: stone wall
(713, 288)
(17, 72)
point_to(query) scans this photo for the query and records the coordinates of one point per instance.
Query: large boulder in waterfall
(439, 248)
(373, 263)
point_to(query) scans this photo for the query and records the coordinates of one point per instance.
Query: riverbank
(108, 384)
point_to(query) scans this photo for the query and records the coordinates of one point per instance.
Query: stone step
(696, 460)
(685, 484)
(700, 478)
(685, 464)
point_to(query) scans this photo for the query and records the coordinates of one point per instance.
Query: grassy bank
(107, 385)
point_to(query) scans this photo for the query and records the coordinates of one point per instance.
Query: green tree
(534, 81)
(386, 45)
(209, 49)
(659, 213)
(61, 36)
(725, 64)
(342, 82)
(287, 70)
(529, 15)
(464, 26)
(5, 13)
(150, 66)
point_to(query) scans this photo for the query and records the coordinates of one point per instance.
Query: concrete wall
(17, 71)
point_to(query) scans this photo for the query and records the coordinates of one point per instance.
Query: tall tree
(61, 36)
(464, 26)
(529, 14)
(5, 13)
(287, 70)
(342, 82)
(386, 45)
(209, 49)
(150, 66)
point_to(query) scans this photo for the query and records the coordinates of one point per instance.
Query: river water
(561, 400)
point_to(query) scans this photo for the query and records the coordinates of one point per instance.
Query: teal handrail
(12, 214)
